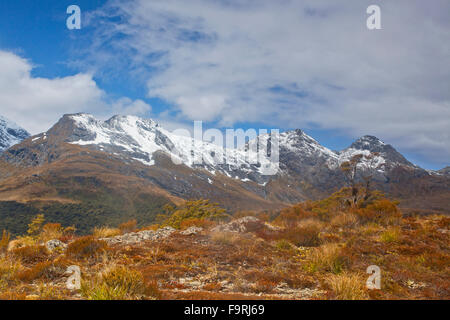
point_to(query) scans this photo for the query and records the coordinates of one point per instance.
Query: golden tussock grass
(347, 286)
(106, 232)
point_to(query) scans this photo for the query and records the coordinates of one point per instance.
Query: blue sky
(304, 64)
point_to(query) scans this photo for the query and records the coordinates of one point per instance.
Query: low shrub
(303, 236)
(86, 247)
(196, 222)
(46, 270)
(129, 226)
(31, 254)
(51, 231)
(381, 211)
(195, 209)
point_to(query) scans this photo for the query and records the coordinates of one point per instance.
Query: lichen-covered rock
(191, 231)
(136, 237)
(55, 244)
(242, 225)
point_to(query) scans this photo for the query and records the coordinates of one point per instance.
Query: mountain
(445, 171)
(87, 172)
(10, 134)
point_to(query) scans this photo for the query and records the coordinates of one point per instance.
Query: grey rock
(241, 225)
(55, 244)
(137, 237)
(191, 231)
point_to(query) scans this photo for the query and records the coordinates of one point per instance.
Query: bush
(381, 211)
(128, 226)
(35, 227)
(290, 217)
(51, 231)
(196, 209)
(303, 236)
(44, 270)
(31, 254)
(86, 247)
(344, 220)
(196, 222)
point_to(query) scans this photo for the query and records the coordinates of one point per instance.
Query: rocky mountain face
(10, 134)
(132, 166)
(445, 171)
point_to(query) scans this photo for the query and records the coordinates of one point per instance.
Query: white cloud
(126, 106)
(37, 103)
(293, 63)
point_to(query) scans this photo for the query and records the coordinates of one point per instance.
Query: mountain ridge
(120, 167)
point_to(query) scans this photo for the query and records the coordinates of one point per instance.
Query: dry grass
(31, 254)
(51, 231)
(391, 235)
(119, 283)
(327, 258)
(320, 254)
(128, 226)
(106, 232)
(347, 286)
(344, 220)
(85, 248)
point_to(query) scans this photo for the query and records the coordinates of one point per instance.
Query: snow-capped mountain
(135, 164)
(134, 138)
(10, 134)
(140, 139)
(385, 154)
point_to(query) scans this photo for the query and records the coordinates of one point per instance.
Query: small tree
(35, 227)
(349, 169)
(4, 242)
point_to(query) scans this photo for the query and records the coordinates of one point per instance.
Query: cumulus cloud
(37, 103)
(292, 63)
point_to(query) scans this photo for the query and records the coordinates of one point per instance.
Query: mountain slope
(87, 171)
(10, 133)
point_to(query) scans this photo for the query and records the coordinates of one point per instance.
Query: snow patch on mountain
(140, 139)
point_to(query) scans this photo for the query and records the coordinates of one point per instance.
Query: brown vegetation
(313, 250)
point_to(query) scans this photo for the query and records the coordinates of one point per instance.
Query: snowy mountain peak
(386, 155)
(299, 142)
(370, 143)
(10, 133)
(134, 138)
